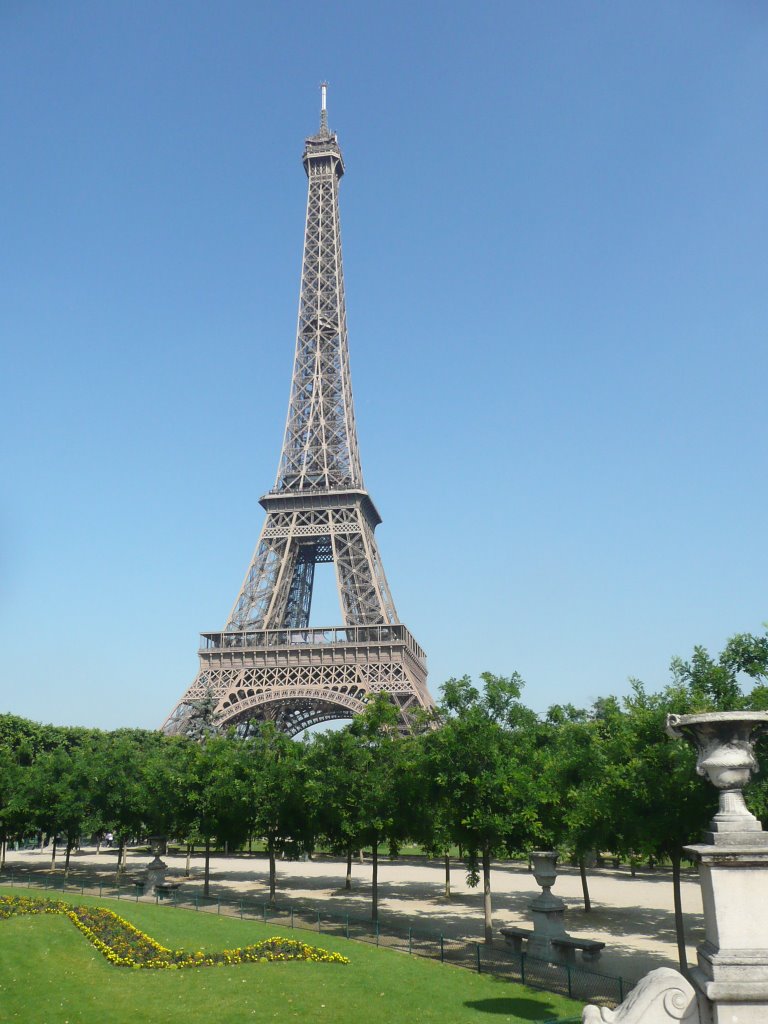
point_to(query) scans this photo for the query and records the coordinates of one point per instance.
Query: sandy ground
(633, 916)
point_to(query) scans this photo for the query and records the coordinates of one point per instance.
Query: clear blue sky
(555, 221)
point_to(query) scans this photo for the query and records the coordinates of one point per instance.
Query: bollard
(318, 920)
(377, 931)
(241, 910)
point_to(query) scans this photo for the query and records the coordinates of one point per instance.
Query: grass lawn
(50, 974)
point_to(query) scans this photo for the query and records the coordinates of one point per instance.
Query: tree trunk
(207, 865)
(226, 847)
(361, 855)
(272, 870)
(66, 859)
(250, 842)
(375, 882)
(679, 928)
(348, 882)
(189, 860)
(447, 876)
(487, 913)
(584, 885)
(53, 855)
(98, 846)
(3, 848)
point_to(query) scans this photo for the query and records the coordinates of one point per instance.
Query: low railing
(565, 979)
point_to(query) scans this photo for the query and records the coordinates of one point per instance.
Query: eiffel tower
(268, 664)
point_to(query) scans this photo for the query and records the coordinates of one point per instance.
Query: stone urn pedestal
(157, 869)
(730, 981)
(547, 911)
(731, 976)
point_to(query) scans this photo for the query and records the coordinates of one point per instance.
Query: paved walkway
(633, 916)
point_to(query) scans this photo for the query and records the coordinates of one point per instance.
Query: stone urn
(157, 868)
(544, 863)
(724, 742)
(547, 911)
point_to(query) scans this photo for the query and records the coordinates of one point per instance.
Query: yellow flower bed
(124, 945)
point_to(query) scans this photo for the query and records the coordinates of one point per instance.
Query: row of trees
(494, 777)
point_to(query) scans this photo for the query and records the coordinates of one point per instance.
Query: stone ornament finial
(661, 997)
(724, 742)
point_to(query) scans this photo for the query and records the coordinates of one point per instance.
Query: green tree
(10, 782)
(166, 777)
(274, 779)
(59, 787)
(480, 770)
(376, 783)
(562, 769)
(218, 793)
(332, 793)
(121, 802)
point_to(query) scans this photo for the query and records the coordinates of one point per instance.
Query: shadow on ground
(523, 1009)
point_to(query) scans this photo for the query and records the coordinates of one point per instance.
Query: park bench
(165, 889)
(514, 937)
(565, 945)
(590, 950)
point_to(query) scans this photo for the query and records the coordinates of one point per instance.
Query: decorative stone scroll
(662, 997)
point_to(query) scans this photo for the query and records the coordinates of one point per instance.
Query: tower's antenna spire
(323, 109)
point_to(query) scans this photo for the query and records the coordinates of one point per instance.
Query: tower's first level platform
(301, 677)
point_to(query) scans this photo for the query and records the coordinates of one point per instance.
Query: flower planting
(123, 945)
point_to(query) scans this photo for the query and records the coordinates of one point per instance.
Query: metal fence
(563, 978)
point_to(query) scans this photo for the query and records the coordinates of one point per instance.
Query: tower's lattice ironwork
(268, 663)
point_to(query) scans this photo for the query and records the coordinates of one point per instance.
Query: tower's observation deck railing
(312, 636)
